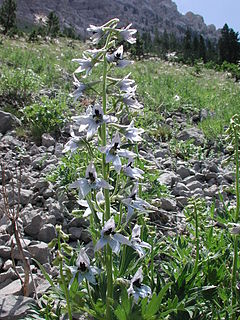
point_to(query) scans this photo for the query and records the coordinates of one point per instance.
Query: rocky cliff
(146, 15)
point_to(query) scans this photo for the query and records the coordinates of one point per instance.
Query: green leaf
(44, 272)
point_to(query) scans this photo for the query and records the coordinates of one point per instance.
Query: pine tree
(196, 45)
(53, 25)
(202, 48)
(187, 46)
(8, 15)
(165, 41)
(229, 47)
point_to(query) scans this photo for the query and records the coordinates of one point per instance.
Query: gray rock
(168, 178)
(189, 180)
(78, 222)
(47, 140)
(55, 209)
(192, 134)
(75, 233)
(34, 223)
(47, 233)
(39, 163)
(229, 177)
(40, 252)
(168, 204)
(197, 192)
(8, 121)
(161, 153)
(34, 150)
(183, 172)
(181, 190)
(213, 167)
(160, 215)
(194, 185)
(13, 307)
(5, 252)
(210, 175)
(15, 288)
(26, 159)
(212, 191)
(182, 201)
(48, 193)
(8, 275)
(41, 184)
(9, 140)
(58, 149)
(24, 197)
(7, 265)
(200, 177)
(86, 236)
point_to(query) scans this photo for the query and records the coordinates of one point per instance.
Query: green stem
(237, 175)
(63, 281)
(235, 244)
(105, 170)
(152, 264)
(197, 238)
(89, 294)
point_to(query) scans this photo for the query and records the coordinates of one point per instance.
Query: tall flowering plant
(108, 189)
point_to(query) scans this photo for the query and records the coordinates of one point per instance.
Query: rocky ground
(42, 205)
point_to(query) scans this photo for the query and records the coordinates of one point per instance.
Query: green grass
(26, 68)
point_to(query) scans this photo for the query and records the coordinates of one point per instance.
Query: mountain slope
(146, 15)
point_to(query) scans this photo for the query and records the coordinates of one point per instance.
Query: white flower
(93, 120)
(127, 34)
(117, 57)
(90, 182)
(96, 33)
(109, 236)
(129, 99)
(81, 87)
(114, 152)
(137, 289)
(136, 242)
(131, 133)
(74, 143)
(83, 269)
(126, 84)
(134, 202)
(86, 64)
(132, 172)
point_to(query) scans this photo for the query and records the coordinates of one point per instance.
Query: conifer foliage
(229, 47)
(8, 15)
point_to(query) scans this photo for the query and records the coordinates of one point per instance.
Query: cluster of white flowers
(102, 120)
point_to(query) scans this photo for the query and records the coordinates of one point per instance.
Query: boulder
(192, 134)
(8, 121)
(13, 307)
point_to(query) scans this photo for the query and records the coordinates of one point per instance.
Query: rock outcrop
(146, 15)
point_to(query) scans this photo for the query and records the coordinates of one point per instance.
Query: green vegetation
(8, 15)
(47, 116)
(27, 68)
(193, 275)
